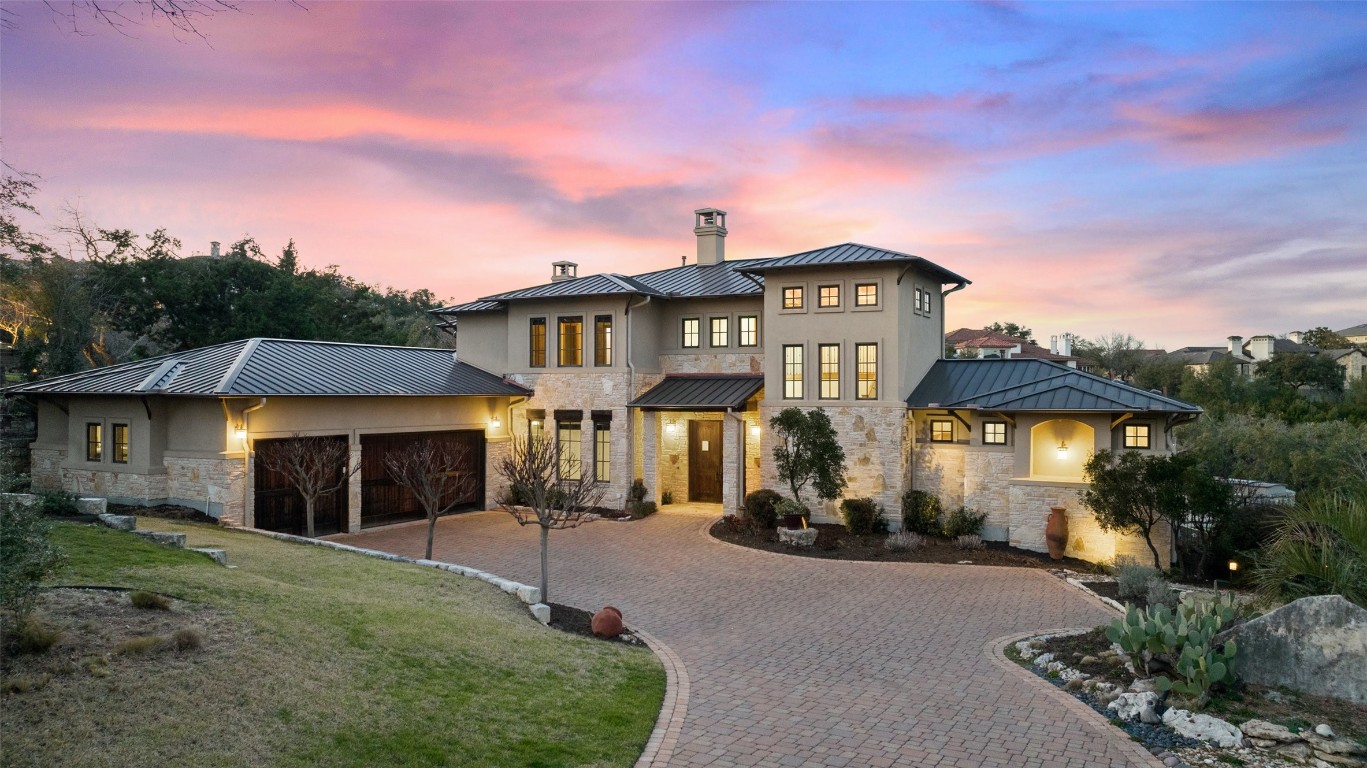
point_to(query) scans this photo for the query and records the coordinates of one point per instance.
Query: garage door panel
(384, 501)
(280, 507)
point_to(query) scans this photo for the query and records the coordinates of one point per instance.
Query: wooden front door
(704, 461)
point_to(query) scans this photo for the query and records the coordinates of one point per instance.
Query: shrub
(638, 490)
(1319, 549)
(921, 513)
(187, 639)
(33, 636)
(25, 684)
(964, 522)
(1131, 578)
(29, 556)
(136, 646)
(667, 497)
(150, 601)
(787, 507)
(760, 507)
(1157, 591)
(58, 504)
(863, 516)
(969, 541)
(904, 541)
(643, 509)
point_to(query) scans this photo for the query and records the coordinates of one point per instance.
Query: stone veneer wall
(987, 488)
(213, 486)
(45, 468)
(938, 469)
(673, 449)
(1030, 505)
(495, 486)
(120, 487)
(712, 362)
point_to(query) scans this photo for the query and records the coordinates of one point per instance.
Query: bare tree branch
(438, 475)
(315, 466)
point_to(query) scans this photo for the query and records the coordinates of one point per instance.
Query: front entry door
(704, 461)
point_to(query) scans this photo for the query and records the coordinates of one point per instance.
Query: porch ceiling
(700, 393)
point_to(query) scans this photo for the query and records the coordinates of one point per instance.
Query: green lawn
(318, 657)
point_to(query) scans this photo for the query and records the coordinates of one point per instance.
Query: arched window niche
(1059, 448)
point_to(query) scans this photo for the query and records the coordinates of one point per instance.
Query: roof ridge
(230, 376)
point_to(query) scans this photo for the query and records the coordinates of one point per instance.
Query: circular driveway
(794, 661)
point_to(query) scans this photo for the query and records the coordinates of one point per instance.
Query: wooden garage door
(279, 507)
(384, 501)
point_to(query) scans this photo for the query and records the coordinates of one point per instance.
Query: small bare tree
(438, 475)
(315, 466)
(547, 488)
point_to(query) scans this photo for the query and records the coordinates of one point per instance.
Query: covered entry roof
(701, 392)
(1032, 385)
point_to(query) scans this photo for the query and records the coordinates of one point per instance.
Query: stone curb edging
(995, 650)
(1106, 601)
(660, 746)
(529, 595)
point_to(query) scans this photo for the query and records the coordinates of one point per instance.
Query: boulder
(119, 522)
(1203, 728)
(1265, 731)
(1316, 644)
(1135, 706)
(607, 622)
(797, 537)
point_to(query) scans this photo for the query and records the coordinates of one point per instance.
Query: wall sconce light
(669, 427)
(495, 423)
(1063, 449)
(241, 431)
(754, 430)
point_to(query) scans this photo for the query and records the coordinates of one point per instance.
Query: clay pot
(1056, 532)
(607, 622)
(792, 522)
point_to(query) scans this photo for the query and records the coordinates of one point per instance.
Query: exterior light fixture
(754, 430)
(669, 427)
(1233, 566)
(241, 432)
(1063, 449)
(495, 423)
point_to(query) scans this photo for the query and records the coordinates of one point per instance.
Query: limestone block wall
(1030, 502)
(938, 469)
(495, 486)
(673, 449)
(987, 488)
(712, 362)
(214, 486)
(45, 468)
(587, 391)
(119, 487)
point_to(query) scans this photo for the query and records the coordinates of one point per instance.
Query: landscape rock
(1261, 730)
(1316, 644)
(1089, 660)
(542, 612)
(607, 622)
(797, 537)
(119, 522)
(1296, 751)
(1323, 746)
(219, 556)
(1203, 728)
(163, 537)
(1324, 730)
(1135, 706)
(1143, 685)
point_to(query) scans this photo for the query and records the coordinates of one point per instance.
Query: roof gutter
(943, 295)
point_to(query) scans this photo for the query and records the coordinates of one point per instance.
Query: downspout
(740, 461)
(246, 464)
(631, 394)
(943, 295)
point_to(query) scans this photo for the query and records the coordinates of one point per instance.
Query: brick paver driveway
(795, 661)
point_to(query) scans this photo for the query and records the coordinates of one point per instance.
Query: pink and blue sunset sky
(1178, 172)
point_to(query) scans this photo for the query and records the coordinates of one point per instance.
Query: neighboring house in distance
(984, 344)
(186, 428)
(672, 376)
(1199, 359)
(1352, 360)
(1357, 334)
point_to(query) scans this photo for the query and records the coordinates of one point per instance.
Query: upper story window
(602, 340)
(536, 342)
(792, 371)
(994, 433)
(721, 331)
(94, 442)
(941, 431)
(828, 296)
(866, 371)
(866, 294)
(792, 297)
(1136, 435)
(692, 333)
(571, 341)
(925, 298)
(119, 446)
(829, 361)
(749, 330)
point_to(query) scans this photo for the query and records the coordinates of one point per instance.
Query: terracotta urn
(607, 622)
(1056, 532)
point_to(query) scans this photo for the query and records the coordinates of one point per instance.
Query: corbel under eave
(1123, 418)
(1005, 418)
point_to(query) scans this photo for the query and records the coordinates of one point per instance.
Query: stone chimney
(1260, 347)
(564, 270)
(1067, 348)
(709, 224)
(213, 248)
(1236, 346)
(1296, 336)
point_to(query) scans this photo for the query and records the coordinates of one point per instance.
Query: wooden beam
(961, 419)
(1124, 418)
(1005, 418)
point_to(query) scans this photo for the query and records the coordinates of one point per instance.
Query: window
(922, 301)
(571, 341)
(994, 433)
(537, 342)
(567, 442)
(941, 431)
(926, 298)
(918, 301)
(721, 330)
(94, 442)
(828, 296)
(536, 428)
(829, 355)
(120, 434)
(866, 294)
(691, 332)
(792, 297)
(602, 451)
(1136, 435)
(866, 371)
(749, 331)
(602, 340)
(792, 371)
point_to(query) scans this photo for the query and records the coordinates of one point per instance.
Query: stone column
(732, 457)
(353, 519)
(650, 450)
(249, 489)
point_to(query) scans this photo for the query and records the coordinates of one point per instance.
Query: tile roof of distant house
(981, 338)
(281, 367)
(700, 392)
(1357, 330)
(853, 253)
(1032, 385)
(1202, 355)
(1284, 345)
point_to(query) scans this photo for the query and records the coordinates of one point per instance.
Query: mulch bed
(164, 512)
(578, 621)
(835, 543)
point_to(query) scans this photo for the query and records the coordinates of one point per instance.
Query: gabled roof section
(1032, 385)
(592, 285)
(1204, 356)
(700, 392)
(281, 367)
(1356, 330)
(853, 253)
(699, 281)
(470, 307)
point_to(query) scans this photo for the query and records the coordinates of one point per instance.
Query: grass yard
(313, 657)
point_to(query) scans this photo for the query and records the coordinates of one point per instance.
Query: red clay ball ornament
(607, 623)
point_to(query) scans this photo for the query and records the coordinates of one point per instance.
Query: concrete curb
(995, 650)
(1106, 601)
(660, 746)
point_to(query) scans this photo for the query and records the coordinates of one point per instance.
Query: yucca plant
(1320, 548)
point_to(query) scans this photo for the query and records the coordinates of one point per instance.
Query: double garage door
(280, 507)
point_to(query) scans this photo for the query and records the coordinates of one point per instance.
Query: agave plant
(1320, 548)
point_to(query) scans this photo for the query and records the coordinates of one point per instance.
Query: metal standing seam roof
(1032, 385)
(853, 253)
(280, 367)
(700, 392)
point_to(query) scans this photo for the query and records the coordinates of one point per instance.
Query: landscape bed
(310, 656)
